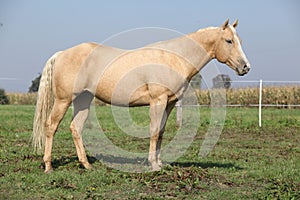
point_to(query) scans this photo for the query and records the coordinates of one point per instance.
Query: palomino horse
(156, 76)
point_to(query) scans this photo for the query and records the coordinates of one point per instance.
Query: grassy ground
(248, 162)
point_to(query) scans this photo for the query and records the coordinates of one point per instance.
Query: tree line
(220, 81)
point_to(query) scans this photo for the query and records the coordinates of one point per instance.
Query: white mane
(205, 29)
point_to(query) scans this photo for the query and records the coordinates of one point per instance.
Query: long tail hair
(44, 104)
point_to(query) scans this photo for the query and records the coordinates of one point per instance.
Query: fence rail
(259, 104)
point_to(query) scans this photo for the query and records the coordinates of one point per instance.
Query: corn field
(22, 98)
(274, 95)
(271, 95)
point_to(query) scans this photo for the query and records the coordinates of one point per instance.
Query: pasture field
(248, 162)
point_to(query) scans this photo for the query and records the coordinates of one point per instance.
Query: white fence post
(178, 106)
(259, 104)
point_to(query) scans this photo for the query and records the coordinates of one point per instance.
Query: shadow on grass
(65, 160)
(120, 160)
(205, 165)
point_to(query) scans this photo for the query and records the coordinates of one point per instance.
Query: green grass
(248, 162)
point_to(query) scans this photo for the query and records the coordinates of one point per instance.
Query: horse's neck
(196, 48)
(206, 38)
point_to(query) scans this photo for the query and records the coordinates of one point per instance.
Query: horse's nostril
(246, 67)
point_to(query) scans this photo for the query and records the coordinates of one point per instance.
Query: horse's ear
(235, 23)
(225, 24)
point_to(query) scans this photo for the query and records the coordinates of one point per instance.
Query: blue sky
(33, 30)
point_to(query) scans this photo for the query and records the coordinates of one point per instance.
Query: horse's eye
(229, 41)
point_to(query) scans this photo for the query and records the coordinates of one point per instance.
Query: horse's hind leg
(81, 112)
(57, 113)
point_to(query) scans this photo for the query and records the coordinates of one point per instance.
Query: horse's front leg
(157, 121)
(166, 115)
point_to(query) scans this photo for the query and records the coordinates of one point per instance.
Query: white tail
(44, 104)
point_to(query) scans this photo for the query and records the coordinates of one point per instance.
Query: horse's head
(228, 49)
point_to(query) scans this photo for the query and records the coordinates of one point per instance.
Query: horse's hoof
(48, 171)
(155, 168)
(88, 166)
(160, 164)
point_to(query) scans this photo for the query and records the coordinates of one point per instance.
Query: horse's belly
(124, 96)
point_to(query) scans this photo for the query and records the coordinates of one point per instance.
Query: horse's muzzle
(243, 70)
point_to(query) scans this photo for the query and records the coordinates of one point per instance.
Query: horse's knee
(49, 130)
(154, 137)
(74, 131)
